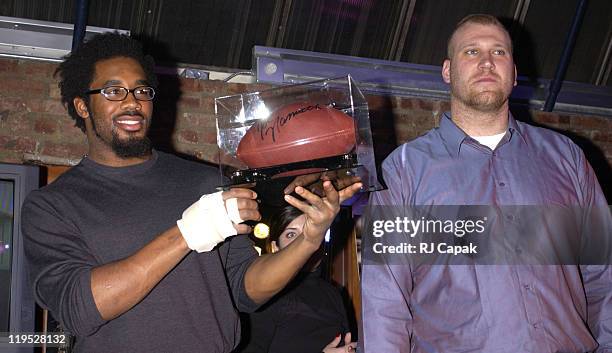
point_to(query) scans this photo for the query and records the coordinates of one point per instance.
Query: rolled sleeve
(60, 267)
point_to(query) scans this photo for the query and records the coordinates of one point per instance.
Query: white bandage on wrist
(231, 205)
(206, 223)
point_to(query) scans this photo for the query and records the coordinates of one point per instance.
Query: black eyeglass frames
(118, 93)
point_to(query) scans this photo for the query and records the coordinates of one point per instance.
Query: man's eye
(113, 91)
(499, 52)
(471, 51)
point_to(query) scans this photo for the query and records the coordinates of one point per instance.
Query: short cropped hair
(77, 70)
(478, 18)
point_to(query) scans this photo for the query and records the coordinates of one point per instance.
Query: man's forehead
(115, 69)
(475, 32)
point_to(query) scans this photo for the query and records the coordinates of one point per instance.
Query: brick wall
(33, 122)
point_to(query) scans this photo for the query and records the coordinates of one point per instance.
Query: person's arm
(597, 278)
(386, 288)
(268, 274)
(67, 284)
(120, 285)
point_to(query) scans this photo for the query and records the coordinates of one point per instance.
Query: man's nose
(130, 102)
(486, 62)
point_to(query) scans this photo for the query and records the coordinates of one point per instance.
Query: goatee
(132, 147)
(486, 101)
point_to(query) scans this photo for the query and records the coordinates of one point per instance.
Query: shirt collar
(454, 136)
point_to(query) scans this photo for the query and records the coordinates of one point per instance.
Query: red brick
(53, 106)
(20, 104)
(8, 65)
(64, 150)
(12, 104)
(590, 123)
(54, 91)
(45, 126)
(564, 119)
(603, 136)
(188, 136)
(208, 136)
(11, 157)
(21, 143)
(189, 102)
(215, 88)
(237, 88)
(18, 123)
(258, 87)
(376, 102)
(445, 106)
(209, 153)
(191, 85)
(14, 87)
(208, 105)
(37, 69)
(194, 119)
(546, 118)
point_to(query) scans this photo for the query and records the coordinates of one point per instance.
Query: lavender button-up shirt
(494, 308)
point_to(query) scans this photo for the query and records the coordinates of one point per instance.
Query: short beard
(132, 148)
(485, 101)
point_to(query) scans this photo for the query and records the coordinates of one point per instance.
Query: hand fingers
(301, 180)
(300, 205)
(247, 204)
(242, 228)
(331, 194)
(310, 197)
(349, 191)
(242, 209)
(239, 193)
(250, 215)
(347, 339)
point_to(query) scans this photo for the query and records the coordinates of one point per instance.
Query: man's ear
(274, 246)
(81, 107)
(446, 71)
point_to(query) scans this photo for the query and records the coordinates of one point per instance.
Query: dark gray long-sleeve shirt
(487, 308)
(93, 215)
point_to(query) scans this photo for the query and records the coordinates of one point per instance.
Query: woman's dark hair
(76, 72)
(278, 221)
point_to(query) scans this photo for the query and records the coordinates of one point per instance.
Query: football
(297, 132)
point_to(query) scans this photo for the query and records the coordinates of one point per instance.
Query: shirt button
(535, 325)
(518, 250)
(509, 217)
(527, 286)
(502, 184)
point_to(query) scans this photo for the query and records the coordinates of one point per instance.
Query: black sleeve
(237, 254)
(60, 267)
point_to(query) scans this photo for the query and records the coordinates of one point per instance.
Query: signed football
(297, 132)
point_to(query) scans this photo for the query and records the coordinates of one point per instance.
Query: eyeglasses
(118, 93)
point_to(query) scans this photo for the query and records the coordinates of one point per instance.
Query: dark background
(222, 33)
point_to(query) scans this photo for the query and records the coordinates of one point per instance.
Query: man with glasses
(109, 258)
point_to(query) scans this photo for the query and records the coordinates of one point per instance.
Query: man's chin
(487, 101)
(132, 148)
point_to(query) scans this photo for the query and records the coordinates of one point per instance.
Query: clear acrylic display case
(236, 114)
